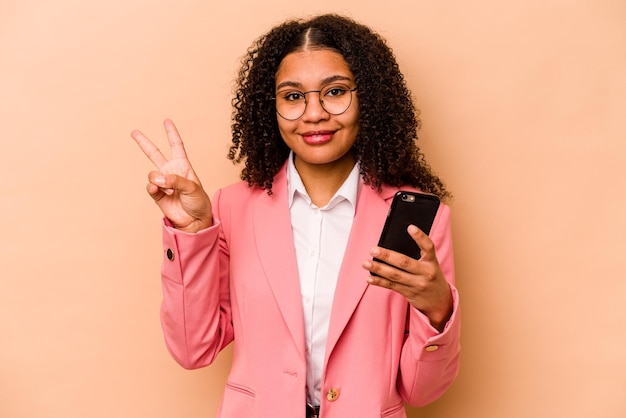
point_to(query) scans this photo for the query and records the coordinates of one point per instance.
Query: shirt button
(170, 254)
(332, 395)
(432, 348)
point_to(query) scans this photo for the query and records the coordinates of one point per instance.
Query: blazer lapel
(274, 242)
(370, 215)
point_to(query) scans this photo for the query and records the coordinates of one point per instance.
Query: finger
(148, 148)
(176, 143)
(386, 278)
(386, 271)
(382, 282)
(170, 182)
(155, 186)
(427, 247)
(393, 258)
(156, 193)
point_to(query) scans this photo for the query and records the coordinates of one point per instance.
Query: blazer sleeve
(195, 312)
(430, 360)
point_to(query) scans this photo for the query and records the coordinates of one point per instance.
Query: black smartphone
(408, 208)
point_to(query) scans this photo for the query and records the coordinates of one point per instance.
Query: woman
(278, 263)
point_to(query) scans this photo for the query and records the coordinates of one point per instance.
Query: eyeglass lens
(334, 99)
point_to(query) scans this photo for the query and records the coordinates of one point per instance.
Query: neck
(322, 181)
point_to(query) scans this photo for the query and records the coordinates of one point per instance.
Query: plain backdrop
(523, 105)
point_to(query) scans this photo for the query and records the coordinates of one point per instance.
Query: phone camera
(408, 198)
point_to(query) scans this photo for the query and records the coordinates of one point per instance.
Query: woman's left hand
(420, 281)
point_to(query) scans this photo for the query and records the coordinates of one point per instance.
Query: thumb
(423, 241)
(170, 182)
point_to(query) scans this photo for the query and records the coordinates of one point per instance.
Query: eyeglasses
(335, 99)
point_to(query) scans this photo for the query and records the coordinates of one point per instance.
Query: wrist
(204, 224)
(439, 322)
(195, 226)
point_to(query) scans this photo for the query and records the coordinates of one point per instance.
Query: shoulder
(390, 191)
(242, 195)
(443, 216)
(243, 188)
(235, 195)
(240, 188)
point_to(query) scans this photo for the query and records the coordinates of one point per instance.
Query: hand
(175, 187)
(420, 281)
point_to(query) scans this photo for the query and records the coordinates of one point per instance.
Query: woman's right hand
(175, 187)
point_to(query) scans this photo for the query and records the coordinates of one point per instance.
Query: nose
(314, 111)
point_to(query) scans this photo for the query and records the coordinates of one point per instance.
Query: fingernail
(159, 180)
(375, 251)
(412, 229)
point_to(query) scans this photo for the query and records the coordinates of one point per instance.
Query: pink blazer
(238, 281)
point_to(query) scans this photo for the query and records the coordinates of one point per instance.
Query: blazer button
(433, 347)
(170, 254)
(332, 395)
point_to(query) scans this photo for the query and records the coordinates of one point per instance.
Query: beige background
(523, 105)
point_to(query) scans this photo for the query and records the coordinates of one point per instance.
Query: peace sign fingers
(154, 153)
(148, 148)
(176, 143)
(175, 187)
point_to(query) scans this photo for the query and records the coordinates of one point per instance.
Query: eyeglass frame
(306, 103)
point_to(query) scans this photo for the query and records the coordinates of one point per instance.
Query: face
(319, 139)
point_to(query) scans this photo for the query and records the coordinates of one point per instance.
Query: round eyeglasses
(335, 99)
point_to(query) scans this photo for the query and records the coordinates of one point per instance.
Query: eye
(291, 96)
(335, 91)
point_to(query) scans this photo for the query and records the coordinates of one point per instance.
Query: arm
(195, 313)
(430, 355)
(430, 359)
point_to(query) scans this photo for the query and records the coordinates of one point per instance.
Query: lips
(317, 137)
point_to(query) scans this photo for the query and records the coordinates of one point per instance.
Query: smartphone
(408, 208)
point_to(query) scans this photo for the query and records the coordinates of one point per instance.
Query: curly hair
(385, 147)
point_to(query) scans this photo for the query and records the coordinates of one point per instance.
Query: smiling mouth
(317, 137)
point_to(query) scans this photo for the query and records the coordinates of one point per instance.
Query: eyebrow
(325, 81)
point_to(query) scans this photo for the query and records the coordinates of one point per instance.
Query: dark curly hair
(388, 121)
